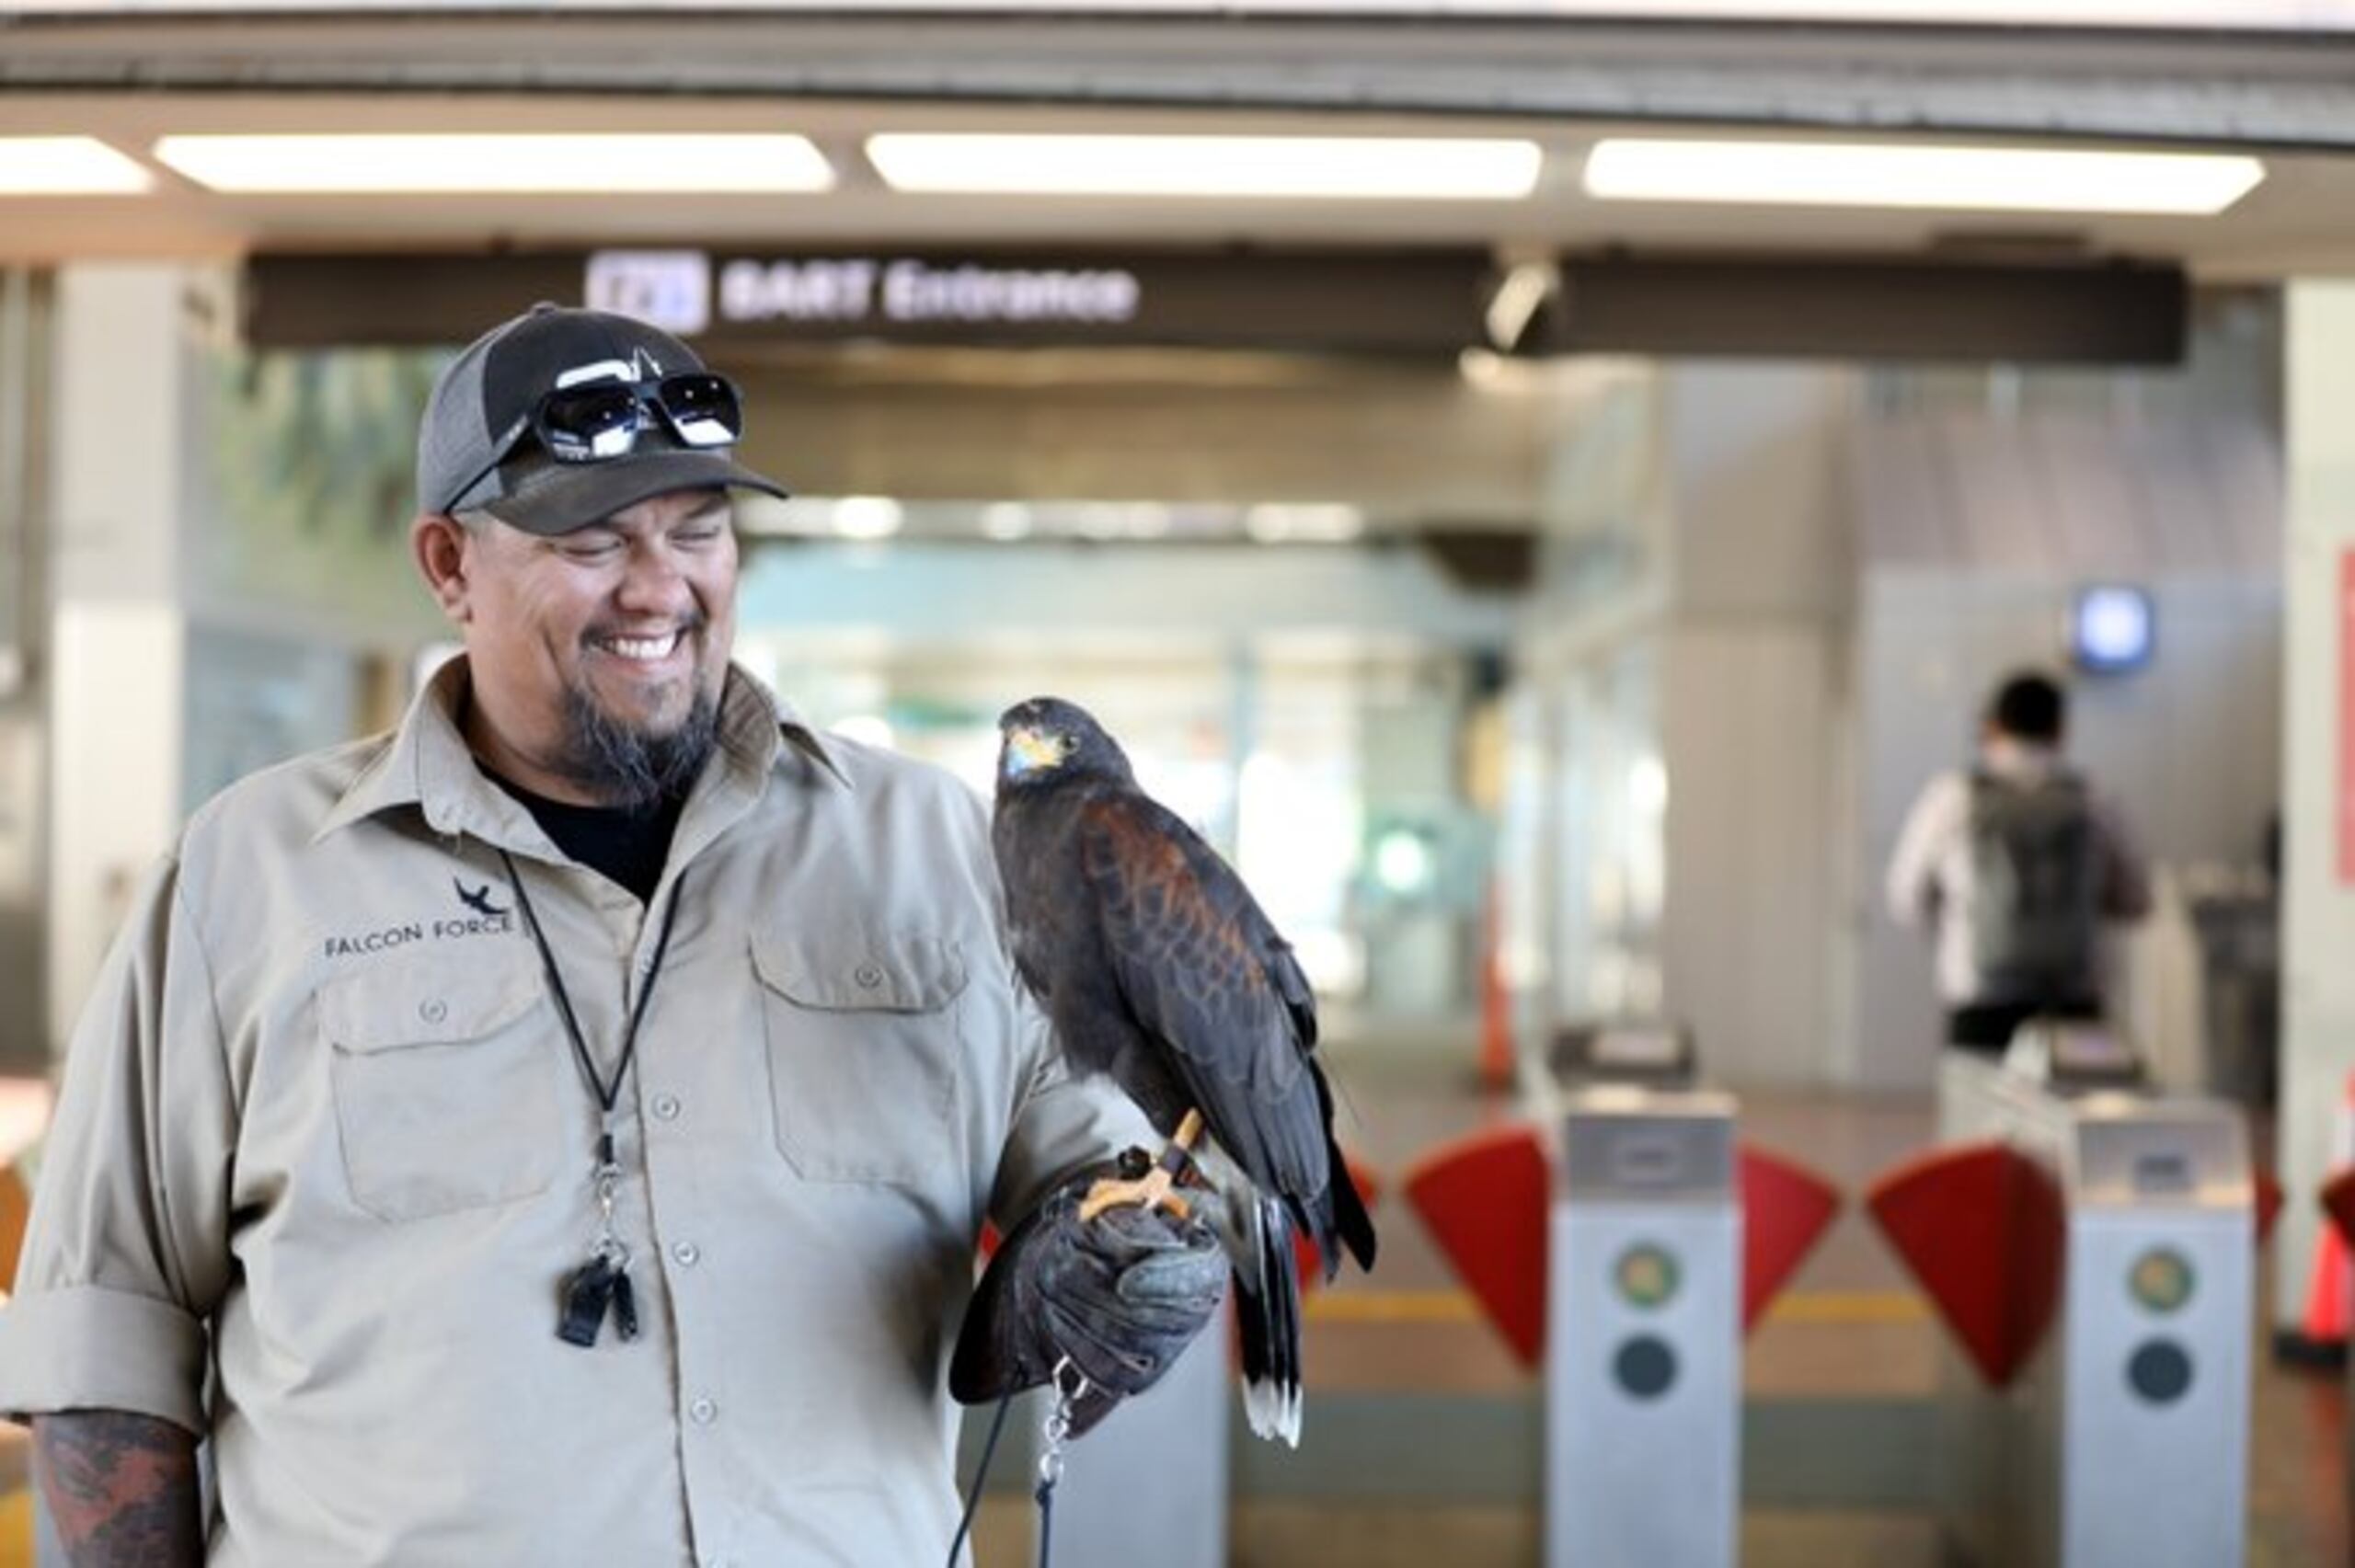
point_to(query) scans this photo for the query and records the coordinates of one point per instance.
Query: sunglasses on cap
(602, 420)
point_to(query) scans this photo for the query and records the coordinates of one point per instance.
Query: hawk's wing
(1209, 980)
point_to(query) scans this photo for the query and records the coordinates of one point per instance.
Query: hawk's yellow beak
(1031, 749)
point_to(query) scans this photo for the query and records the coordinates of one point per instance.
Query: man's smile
(644, 650)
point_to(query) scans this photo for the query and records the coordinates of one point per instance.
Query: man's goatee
(630, 767)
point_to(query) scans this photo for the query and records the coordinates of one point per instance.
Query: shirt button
(703, 1411)
(869, 975)
(688, 1254)
(667, 1106)
(433, 1010)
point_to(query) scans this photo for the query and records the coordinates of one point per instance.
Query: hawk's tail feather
(1267, 1315)
(1351, 1220)
(1340, 1219)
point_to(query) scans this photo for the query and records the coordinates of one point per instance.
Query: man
(2017, 865)
(558, 1132)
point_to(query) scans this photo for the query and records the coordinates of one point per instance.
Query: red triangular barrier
(1484, 1200)
(1978, 1226)
(1785, 1210)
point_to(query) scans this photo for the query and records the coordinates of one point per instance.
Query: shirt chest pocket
(864, 1046)
(444, 1081)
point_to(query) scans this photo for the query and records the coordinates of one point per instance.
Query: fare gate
(1622, 1241)
(1643, 1378)
(2092, 1248)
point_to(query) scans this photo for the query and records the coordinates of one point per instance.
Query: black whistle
(624, 1306)
(588, 1293)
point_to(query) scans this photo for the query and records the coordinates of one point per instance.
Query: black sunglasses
(603, 419)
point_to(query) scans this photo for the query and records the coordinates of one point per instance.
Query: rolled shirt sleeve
(1063, 1122)
(127, 1252)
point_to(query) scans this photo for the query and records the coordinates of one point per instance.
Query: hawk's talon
(1151, 1192)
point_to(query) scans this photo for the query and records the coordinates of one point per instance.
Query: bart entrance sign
(682, 291)
(905, 290)
(1397, 301)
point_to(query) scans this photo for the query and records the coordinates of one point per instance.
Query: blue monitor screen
(2111, 629)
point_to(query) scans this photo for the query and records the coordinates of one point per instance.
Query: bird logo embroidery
(477, 900)
(1157, 967)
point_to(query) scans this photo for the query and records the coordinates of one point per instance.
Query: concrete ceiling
(838, 79)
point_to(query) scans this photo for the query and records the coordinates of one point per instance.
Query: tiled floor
(1308, 1535)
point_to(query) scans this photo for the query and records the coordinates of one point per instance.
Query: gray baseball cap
(474, 450)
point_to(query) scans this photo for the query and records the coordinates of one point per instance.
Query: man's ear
(439, 545)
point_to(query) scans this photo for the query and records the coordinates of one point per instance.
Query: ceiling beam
(2255, 89)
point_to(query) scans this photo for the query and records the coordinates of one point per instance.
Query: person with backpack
(2017, 865)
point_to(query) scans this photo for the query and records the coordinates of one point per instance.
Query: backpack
(2036, 904)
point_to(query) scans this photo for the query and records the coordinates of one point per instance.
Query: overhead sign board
(2094, 313)
(1341, 301)
(736, 302)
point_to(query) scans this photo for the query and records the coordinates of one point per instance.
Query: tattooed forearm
(122, 1489)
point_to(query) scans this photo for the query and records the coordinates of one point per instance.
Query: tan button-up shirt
(323, 1155)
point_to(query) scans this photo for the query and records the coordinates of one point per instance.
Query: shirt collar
(755, 724)
(426, 764)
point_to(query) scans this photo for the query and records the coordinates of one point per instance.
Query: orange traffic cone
(1495, 1004)
(2332, 1283)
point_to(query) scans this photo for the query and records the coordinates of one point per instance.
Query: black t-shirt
(627, 847)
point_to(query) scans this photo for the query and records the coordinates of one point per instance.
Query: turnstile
(1643, 1372)
(1643, 1307)
(1621, 1241)
(2092, 1246)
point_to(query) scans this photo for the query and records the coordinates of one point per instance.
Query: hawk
(1157, 967)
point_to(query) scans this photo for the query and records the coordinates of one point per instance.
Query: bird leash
(1054, 1433)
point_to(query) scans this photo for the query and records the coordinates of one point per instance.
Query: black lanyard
(602, 1284)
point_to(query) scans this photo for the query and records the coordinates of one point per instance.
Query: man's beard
(629, 767)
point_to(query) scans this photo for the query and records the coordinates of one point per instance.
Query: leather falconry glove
(1120, 1296)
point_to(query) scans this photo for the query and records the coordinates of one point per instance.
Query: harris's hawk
(1154, 965)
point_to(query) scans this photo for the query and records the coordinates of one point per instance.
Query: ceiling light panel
(68, 165)
(1844, 174)
(1361, 167)
(652, 164)
(2310, 15)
